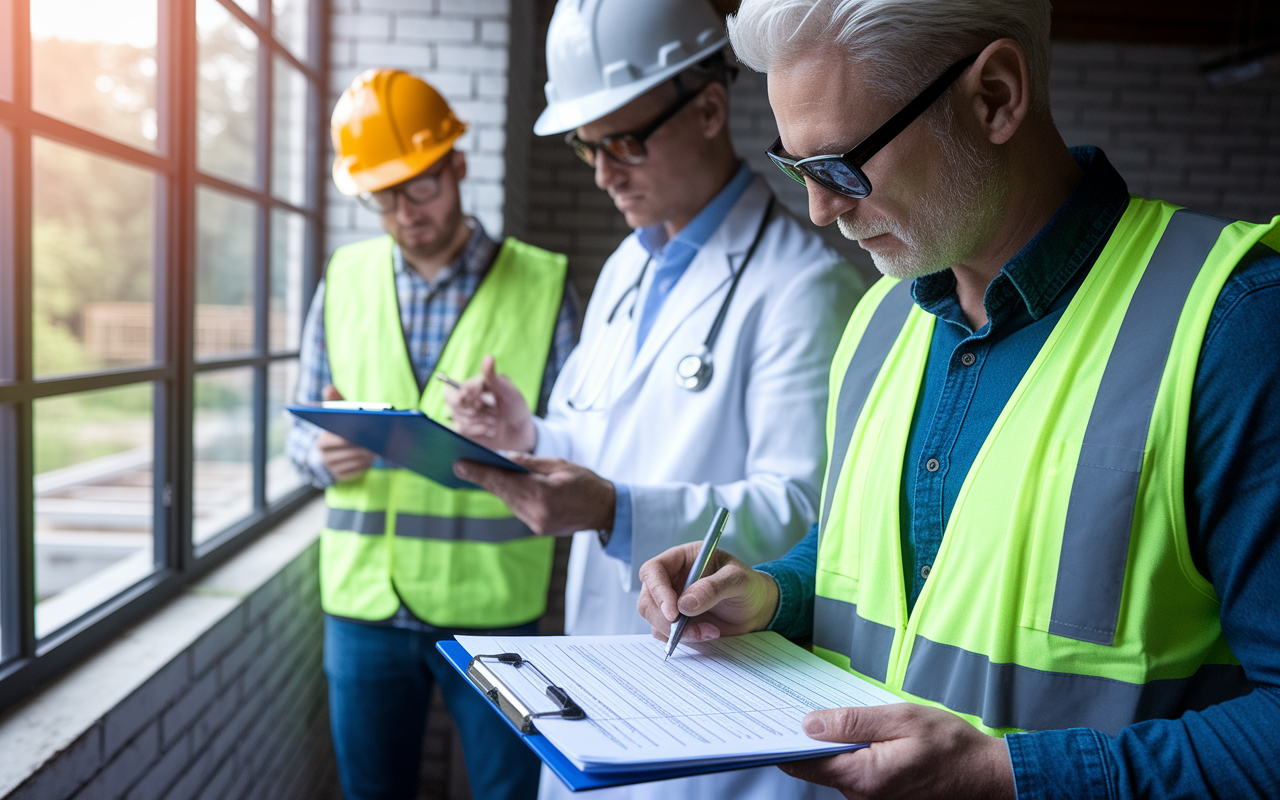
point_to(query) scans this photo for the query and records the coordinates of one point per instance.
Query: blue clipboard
(576, 779)
(409, 439)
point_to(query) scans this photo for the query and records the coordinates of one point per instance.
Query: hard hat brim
(566, 115)
(389, 173)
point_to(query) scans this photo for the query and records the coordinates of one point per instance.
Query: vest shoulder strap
(872, 350)
(1104, 492)
(351, 259)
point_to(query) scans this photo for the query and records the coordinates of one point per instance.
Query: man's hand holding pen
(489, 409)
(556, 497)
(730, 599)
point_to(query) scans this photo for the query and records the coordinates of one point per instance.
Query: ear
(713, 109)
(459, 165)
(997, 90)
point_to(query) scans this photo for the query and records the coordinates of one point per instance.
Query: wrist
(529, 436)
(772, 601)
(1001, 782)
(608, 511)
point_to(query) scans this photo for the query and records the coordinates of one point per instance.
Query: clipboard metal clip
(509, 702)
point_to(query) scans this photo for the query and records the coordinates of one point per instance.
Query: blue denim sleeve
(1233, 514)
(619, 545)
(796, 575)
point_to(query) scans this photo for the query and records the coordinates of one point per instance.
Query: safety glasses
(843, 173)
(626, 148)
(418, 190)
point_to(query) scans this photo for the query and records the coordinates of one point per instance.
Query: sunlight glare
(132, 22)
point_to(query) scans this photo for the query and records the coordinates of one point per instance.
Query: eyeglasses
(626, 148)
(843, 173)
(417, 190)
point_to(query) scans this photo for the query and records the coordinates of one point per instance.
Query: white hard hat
(602, 54)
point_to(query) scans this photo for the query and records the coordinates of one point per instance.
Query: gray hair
(904, 44)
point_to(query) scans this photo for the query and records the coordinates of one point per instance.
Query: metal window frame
(27, 663)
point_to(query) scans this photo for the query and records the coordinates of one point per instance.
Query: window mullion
(262, 264)
(262, 298)
(179, 405)
(17, 525)
(317, 121)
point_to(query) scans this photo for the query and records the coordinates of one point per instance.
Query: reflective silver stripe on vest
(1011, 696)
(371, 523)
(838, 628)
(421, 526)
(458, 529)
(882, 331)
(1095, 541)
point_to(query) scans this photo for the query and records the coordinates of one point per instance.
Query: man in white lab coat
(700, 379)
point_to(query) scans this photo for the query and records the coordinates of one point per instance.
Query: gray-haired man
(1050, 508)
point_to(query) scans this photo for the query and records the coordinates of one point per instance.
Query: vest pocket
(853, 510)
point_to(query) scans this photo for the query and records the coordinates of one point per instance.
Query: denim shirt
(1233, 497)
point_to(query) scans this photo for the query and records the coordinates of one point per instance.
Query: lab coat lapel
(705, 280)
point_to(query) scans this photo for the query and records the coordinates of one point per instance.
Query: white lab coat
(753, 441)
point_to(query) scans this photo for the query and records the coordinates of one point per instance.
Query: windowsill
(44, 726)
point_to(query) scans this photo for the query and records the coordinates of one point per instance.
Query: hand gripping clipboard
(409, 439)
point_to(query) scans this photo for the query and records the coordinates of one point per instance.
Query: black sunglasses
(843, 173)
(626, 148)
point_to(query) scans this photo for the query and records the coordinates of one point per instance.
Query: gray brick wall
(241, 713)
(461, 48)
(1165, 129)
(1170, 134)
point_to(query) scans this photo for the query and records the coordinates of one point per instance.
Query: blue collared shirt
(1233, 499)
(670, 259)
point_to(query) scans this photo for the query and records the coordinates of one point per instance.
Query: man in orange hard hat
(404, 561)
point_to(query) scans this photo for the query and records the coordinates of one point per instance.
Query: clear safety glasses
(626, 148)
(843, 173)
(418, 190)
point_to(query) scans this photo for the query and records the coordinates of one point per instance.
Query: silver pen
(440, 376)
(708, 547)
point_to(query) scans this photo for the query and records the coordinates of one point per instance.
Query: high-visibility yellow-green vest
(457, 558)
(1063, 593)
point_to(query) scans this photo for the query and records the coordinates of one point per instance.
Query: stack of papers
(733, 701)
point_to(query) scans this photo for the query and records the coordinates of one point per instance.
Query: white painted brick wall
(460, 47)
(241, 713)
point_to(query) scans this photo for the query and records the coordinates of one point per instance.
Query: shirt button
(968, 359)
(925, 570)
(932, 465)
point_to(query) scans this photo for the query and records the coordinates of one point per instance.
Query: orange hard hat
(387, 127)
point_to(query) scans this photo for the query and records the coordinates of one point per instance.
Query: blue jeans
(380, 681)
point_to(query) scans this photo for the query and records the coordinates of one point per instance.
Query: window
(160, 230)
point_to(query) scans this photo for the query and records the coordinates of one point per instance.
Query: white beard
(947, 225)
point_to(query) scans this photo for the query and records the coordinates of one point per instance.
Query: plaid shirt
(428, 313)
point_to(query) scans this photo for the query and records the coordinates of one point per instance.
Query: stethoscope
(694, 371)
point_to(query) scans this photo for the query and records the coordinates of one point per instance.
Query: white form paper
(734, 699)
